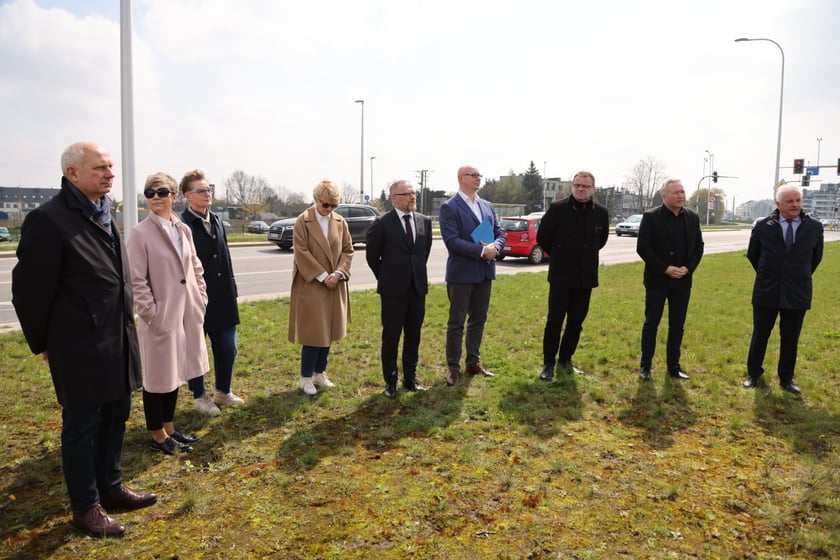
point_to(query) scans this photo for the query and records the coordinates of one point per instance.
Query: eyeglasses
(582, 186)
(405, 193)
(200, 191)
(473, 175)
(162, 193)
(328, 205)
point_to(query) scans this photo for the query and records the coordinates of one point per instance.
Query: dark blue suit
(468, 276)
(402, 284)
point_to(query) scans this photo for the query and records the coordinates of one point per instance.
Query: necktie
(409, 233)
(789, 235)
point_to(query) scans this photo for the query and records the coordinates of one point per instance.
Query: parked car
(226, 224)
(359, 218)
(4, 234)
(630, 226)
(521, 238)
(257, 226)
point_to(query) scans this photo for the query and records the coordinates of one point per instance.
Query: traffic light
(838, 167)
(806, 180)
(714, 176)
(798, 164)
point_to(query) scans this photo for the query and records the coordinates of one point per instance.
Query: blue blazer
(464, 264)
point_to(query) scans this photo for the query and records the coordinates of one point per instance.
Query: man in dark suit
(398, 247)
(72, 293)
(671, 244)
(785, 249)
(222, 313)
(572, 232)
(470, 270)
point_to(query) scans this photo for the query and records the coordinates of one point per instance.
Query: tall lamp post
(819, 141)
(781, 105)
(544, 186)
(371, 175)
(362, 154)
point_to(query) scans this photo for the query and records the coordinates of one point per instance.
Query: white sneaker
(321, 380)
(205, 405)
(227, 399)
(307, 386)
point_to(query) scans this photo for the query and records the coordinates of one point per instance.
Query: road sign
(812, 170)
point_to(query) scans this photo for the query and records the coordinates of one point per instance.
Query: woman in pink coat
(170, 297)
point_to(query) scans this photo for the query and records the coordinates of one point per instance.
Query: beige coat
(318, 315)
(170, 297)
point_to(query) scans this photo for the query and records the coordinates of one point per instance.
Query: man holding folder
(472, 235)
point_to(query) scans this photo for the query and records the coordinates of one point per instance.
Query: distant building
(17, 202)
(823, 202)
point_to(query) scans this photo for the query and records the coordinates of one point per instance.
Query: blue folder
(484, 232)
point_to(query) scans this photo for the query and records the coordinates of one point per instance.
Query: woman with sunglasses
(320, 300)
(170, 297)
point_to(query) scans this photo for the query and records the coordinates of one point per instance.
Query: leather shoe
(644, 373)
(750, 383)
(677, 374)
(126, 499)
(452, 378)
(184, 438)
(169, 446)
(97, 523)
(390, 391)
(547, 373)
(792, 388)
(478, 368)
(413, 386)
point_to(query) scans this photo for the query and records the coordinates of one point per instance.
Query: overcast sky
(268, 86)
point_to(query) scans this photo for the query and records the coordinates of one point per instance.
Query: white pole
(127, 113)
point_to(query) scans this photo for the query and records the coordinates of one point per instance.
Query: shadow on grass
(377, 424)
(543, 406)
(659, 416)
(788, 417)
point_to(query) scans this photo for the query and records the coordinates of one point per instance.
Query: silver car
(630, 226)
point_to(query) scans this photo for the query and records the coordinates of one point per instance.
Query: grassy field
(600, 466)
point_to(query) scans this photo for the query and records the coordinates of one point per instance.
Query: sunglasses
(328, 205)
(162, 193)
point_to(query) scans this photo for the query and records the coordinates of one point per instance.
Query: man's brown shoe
(452, 378)
(478, 368)
(97, 523)
(126, 499)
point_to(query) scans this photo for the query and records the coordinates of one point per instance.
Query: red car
(521, 238)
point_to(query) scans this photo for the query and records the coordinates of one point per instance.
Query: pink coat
(170, 297)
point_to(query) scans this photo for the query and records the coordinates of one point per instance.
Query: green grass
(596, 466)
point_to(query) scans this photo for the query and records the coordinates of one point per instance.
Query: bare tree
(645, 180)
(251, 193)
(350, 194)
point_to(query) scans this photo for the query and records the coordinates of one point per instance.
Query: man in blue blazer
(398, 246)
(470, 270)
(785, 249)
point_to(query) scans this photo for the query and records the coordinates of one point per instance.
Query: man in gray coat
(72, 294)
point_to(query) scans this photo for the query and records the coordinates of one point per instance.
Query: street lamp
(819, 141)
(781, 105)
(362, 154)
(371, 174)
(544, 187)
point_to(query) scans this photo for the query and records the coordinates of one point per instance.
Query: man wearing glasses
(72, 293)
(572, 232)
(222, 313)
(470, 270)
(398, 246)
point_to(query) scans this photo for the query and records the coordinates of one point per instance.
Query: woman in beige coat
(170, 297)
(320, 301)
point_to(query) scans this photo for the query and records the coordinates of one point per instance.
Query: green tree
(509, 191)
(699, 201)
(532, 189)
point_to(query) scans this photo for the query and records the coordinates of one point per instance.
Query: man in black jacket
(398, 246)
(671, 244)
(222, 313)
(72, 293)
(572, 232)
(785, 249)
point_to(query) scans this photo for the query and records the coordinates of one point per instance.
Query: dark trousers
(224, 344)
(401, 315)
(313, 359)
(790, 325)
(571, 305)
(159, 408)
(676, 293)
(471, 300)
(91, 448)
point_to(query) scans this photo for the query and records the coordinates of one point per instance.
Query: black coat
(782, 277)
(573, 233)
(391, 261)
(657, 248)
(212, 250)
(71, 290)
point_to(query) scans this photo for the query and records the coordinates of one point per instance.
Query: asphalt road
(264, 272)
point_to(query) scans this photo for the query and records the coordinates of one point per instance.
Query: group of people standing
(77, 286)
